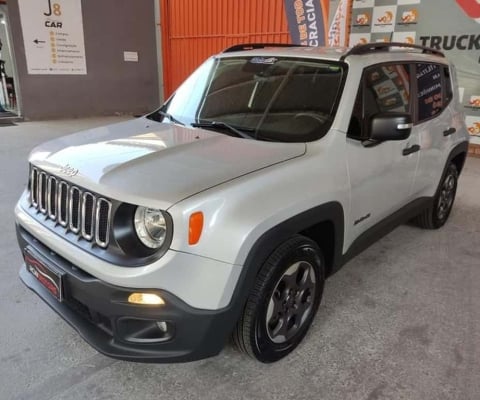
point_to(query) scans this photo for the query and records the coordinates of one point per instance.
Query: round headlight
(151, 227)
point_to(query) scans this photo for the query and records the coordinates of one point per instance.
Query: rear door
(435, 124)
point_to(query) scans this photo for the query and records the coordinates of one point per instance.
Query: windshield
(275, 98)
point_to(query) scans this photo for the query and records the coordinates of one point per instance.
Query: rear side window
(434, 90)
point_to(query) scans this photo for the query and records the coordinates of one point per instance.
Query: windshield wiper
(218, 124)
(170, 117)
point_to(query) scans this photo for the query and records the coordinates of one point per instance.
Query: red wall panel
(192, 30)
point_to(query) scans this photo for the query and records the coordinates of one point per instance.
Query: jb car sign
(53, 36)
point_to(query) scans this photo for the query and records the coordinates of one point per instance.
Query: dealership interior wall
(399, 321)
(111, 85)
(171, 38)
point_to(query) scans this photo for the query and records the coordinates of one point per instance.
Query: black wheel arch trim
(329, 212)
(459, 149)
(265, 245)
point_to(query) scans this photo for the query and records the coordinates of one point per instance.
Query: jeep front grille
(81, 212)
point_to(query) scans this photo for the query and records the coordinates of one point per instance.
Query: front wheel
(283, 302)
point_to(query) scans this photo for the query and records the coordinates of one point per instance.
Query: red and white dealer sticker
(46, 275)
(471, 8)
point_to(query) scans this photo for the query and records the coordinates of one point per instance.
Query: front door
(381, 173)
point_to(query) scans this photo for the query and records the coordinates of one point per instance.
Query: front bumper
(101, 315)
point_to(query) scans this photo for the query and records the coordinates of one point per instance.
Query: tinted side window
(387, 89)
(430, 99)
(384, 89)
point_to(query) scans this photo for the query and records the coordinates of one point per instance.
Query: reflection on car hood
(155, 164)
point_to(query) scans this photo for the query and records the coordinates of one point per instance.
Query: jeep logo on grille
(68, 170)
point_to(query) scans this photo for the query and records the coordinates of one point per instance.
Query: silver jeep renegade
(222, 213)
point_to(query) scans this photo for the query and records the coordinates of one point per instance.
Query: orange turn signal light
(195, 227)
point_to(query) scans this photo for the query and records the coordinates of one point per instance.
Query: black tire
(435, 216)
(283, 301)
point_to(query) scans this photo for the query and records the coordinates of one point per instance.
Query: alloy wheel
(291, 302)
(447, 195)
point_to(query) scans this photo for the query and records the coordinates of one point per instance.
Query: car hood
(156, 164)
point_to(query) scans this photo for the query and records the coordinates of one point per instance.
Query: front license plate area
(49, 276)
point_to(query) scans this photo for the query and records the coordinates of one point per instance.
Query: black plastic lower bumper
(173, 332)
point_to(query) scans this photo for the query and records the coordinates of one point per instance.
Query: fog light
(145, 298)
(162, 325)
(137, 330)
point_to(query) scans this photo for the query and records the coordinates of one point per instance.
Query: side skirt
(384, 227)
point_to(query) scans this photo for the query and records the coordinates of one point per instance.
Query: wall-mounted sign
(53, 36)
(130, 56)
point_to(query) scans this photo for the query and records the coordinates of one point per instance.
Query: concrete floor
(401, 321)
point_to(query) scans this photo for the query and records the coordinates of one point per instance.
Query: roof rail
(252, 46)
(382, 46)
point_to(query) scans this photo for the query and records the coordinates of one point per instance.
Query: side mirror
(390, 126)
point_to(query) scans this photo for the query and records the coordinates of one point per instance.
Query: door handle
(449, 131)
(409, 150)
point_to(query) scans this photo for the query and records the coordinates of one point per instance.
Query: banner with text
(452, 26)
(53, 36)
(338, 34)
(307, 21)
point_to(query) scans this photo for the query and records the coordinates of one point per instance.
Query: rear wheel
(283, 302)
(435, 216)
